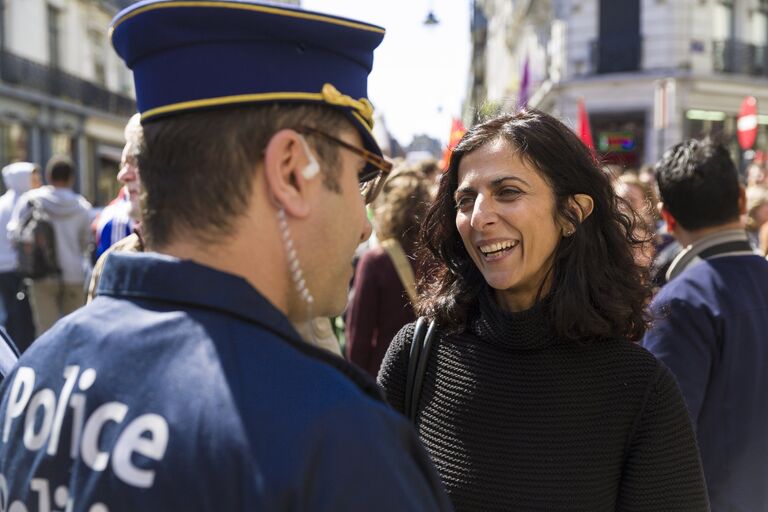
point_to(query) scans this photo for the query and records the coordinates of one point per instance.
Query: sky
(420, 73)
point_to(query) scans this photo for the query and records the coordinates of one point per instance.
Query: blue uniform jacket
(182, 388)
(712, 332)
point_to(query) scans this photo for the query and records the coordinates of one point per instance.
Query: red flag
(585, 132)
(457, 132)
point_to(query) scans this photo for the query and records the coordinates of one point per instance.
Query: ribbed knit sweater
(518, 420)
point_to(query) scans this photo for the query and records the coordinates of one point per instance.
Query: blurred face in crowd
(35, 181)
(340, 225)
(130, 178)
(641, 206)
(505, 214)
(633, 195)
(756, 175)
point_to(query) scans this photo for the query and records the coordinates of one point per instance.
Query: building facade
(650, 72)
(62, 89)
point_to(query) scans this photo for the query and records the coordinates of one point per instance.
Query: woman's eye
(463, 203)
(509, 192)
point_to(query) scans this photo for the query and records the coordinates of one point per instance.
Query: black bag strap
(421, 345)
(413, 358)
(32, 206)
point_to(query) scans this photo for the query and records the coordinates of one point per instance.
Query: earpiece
(313, 167)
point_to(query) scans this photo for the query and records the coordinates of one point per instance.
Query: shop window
(620, 138)
(14, 143)
(62, 144)
(107, 185)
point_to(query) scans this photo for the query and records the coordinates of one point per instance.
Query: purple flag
(525, 85)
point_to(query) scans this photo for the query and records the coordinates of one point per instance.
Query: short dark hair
(598, 291)
(197, 167)
(699, 184)
(60, 169)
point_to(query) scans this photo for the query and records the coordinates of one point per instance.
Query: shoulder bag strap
(403, 268)
(413, 358)
(32, 206)
(417, 366)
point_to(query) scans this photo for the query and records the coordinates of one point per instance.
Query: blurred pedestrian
(711, 321)
(15, 311)
(113, 223)
(430, 168)
(130, 177)
(756, 174)
(193, 390)
(757, 212)
(118, 220)
(534, 397)
(60, 293)
(384, 290)
(640, 199)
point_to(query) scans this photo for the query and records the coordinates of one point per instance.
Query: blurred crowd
(51, 237)
(49, 274)
(521, 327)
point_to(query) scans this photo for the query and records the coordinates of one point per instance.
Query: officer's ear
(289, 167)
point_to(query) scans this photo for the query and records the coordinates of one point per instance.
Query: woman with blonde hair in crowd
(384, 289)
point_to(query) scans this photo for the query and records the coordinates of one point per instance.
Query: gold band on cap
(362, 106)
(361, 109)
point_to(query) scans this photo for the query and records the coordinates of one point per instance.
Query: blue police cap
(189, 55)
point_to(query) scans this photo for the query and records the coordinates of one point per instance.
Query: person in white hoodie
(55, 297)
(15, 312)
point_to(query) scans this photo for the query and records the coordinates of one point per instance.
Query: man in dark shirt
(711, 322)
(183, 385)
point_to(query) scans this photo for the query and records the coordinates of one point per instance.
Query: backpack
(36, 246)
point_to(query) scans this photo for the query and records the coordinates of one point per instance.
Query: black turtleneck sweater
(515, 419)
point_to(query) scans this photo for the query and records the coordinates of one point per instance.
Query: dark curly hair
(597, 292)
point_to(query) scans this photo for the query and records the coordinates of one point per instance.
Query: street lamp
(431, 19)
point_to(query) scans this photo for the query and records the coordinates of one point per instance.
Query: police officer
(183, 385)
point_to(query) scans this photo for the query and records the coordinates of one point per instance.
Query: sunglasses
(376, 170)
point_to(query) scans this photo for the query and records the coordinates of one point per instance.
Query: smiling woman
(527, 179)
(506, 219)
(535, 396)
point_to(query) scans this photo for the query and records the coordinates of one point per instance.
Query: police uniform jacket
(182, 388)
